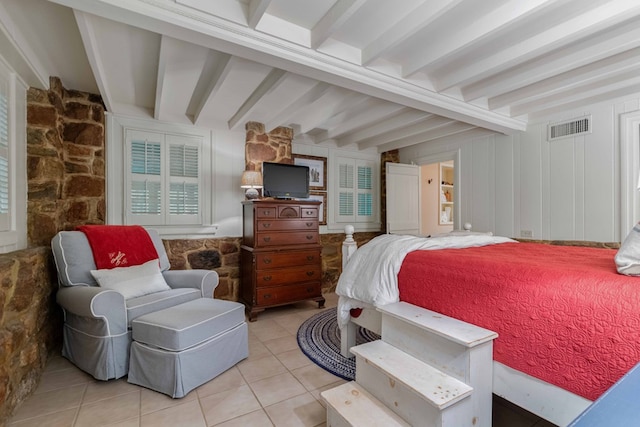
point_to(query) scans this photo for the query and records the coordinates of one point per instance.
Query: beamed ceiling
(372, 74)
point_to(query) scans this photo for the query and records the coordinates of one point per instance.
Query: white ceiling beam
(430, 135)
(405, 117)
(234, 11)
(180, 66)
(566, 32)
(236, 39)
(507, 15)
(284, 116)
(270, 83)
(335, 18)
(589, 52)
(346, 111)
(357, 118)
(407, 27)
(160, 78)
(404, 132)
(614, 65)
(592, 89)
(257, 9)
(335, 99)
(215, 74)
(88, 35)
(580, 103)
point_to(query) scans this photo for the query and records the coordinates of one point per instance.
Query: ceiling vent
(567, 128)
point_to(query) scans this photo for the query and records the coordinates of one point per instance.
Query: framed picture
(317, 170)
(321, 197)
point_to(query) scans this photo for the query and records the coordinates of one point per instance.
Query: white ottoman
(180, 348)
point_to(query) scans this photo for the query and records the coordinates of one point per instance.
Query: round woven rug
(319, 339)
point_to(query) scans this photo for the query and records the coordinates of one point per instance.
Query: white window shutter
(345, 196)
(5, 172)
(145, 190)
(365, 193)
(184, 180)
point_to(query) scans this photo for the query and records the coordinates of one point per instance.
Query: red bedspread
(563, 314)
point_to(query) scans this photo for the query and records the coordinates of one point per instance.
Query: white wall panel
(566, 189)
(601, 156)
(483, 189)
(562, 189)
(504, 185)
(530, 189)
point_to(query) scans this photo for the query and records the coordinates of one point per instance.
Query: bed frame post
(349, 245)
(348, 333)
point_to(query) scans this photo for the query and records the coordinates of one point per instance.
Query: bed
(568, 323)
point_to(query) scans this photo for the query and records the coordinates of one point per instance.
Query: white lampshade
(251, 180)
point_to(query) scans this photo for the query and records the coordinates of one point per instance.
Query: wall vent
(567, 128)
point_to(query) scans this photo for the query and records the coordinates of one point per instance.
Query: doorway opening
(438, 197)
(432, 204)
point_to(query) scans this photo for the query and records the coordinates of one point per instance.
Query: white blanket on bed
(371, 275)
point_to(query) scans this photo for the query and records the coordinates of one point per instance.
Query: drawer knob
(309, 212)
(309, 224)
(310, 273)
(266, 224)
(265, 212)
(266, 260)
(266, 239)
(266, 296)
(309, 236)
(266, 278)
(309, 290)
(310, 258)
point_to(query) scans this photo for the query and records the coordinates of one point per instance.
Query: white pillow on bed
(628, 256)
(134, 281)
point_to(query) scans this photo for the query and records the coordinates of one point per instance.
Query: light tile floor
(277, 385)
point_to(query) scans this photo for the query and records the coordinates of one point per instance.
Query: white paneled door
(403, 198)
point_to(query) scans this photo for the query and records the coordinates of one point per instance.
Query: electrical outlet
(526, 234)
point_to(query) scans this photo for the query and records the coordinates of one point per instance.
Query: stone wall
(332, 256)
(261, 146)
(221, 255)
(65, 161)
(65, 178)
(30, 324)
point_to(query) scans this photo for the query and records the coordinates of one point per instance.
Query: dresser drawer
(290, 293)
(286, 238)
(307, 212)
(266, 212)
(290, 225)
(287, 259)
(283, 276)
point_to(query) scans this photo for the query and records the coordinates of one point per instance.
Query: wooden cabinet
(280, 254)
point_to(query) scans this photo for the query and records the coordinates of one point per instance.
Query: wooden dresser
(280, 254)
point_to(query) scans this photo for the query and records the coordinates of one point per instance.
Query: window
(357, 193)
(163, 181)
(13, 189)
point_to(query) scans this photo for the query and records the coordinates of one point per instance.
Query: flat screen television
(283, 181)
